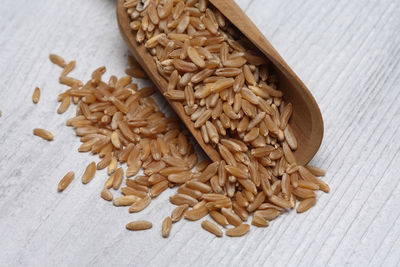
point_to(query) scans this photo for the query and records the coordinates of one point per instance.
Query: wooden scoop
(306, 120)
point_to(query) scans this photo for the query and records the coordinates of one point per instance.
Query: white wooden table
(347, 52)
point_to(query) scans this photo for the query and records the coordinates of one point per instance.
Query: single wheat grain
(306, 204)
(106, 194)
(89, 173)
(178, 212)
(36, 95)
(140, 205)
(65, 181)
(211, 227)
(46, 135)
(139, 225)
(238, 230)
(166, 226)
(58, 60)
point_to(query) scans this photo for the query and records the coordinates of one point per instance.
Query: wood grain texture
(347, 53)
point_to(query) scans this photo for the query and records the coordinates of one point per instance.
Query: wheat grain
(156, 178)
(258, 200)
(306, 204)
(112, 166)
(180, 199)
(268, 214)
(134, 168)
(166, 226)
(190, 192)
(241, 200)
(68, 68)
(214, 182)
(131, 191)
(323, 186)
(237, 171)
(307, 184)
(115, 140)
(117, 178)
(36, 95)
(240, 211)
(315, 170)
(279, 201)
(106, 194)
(125, 200)
(211, 227)
(139, 225)
(209, 172)
(89, 173)
(219, 218)
(172, 170)
(140, 205)
(259, 221)
(197, 185)
(87, 146)
(104, 162)
(238, 230)
(232, 218)
(178, 212)
(109, 182)
(153, 167)
(175, 161)
(69, 81)
(138, 184)
(58, 60)
(158, 188)
(196, 213)
(65, 181)
(270, 206)
(303, 193)
(46, 135)
(65, 103)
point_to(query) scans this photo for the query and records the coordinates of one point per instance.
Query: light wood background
(346, 52)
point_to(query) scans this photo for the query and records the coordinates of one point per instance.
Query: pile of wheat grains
(232, 97)
(231, 94)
